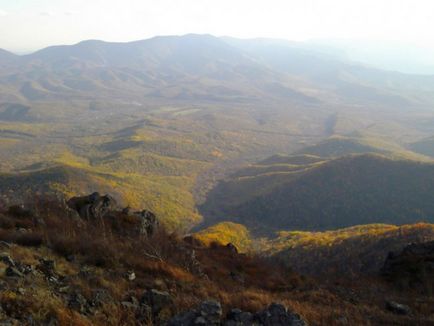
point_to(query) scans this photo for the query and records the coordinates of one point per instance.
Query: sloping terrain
(205, 69)
(225, 233)
(308, 192)
(157, 123)
(191, 67)
(172, 200)
(162, 120)
(353, 251)
(424, 146)
(73, 272)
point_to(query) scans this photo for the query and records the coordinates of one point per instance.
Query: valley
(257, 155)
(127, 128)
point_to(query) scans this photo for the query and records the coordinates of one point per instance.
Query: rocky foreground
(91, 263)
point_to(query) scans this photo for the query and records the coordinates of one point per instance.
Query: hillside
(352, 190)
(8, 59)
(225, 233)
(424, 146)
(337, 146)
(205, 68)
(179, 68)
(357, 251)
(239, 173)
(169, 196)
(328, 70)
(353, 251)
(94, 273)
(69, 271)
(163, 120)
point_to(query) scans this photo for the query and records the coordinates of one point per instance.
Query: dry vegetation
(92, 257)
(351, 251)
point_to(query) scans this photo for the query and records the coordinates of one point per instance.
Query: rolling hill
(8, 59)
(353, 251)
(424, 146)
(160, 121)
(169, 197)
(207, 68)
(308, 192)
(190, 67)
(173, 125)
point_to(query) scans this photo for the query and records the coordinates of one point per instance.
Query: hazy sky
(31, 24)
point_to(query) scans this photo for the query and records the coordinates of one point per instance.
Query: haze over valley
(180, 112)
(195, 179)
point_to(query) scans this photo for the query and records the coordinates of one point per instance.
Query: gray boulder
(237, 317)
(92, 206)
(208, 313)
(211, 311)
(187, 318)
(397, 308)
(148, 222)
(277, 315)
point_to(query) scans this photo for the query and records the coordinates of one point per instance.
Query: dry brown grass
(162, 262)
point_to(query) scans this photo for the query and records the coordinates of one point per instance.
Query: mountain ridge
(196, 66)
(337, 192)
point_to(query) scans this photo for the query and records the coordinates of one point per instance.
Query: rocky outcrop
(148, 222)
(210, 313)
(143, 223)
(398, 308)
(412, 268)
(93, 206)
(14, 269)
(153, 307)
(237, 317)
(277, 315)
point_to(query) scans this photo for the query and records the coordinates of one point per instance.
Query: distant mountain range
(207, 68)
(157, 122)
